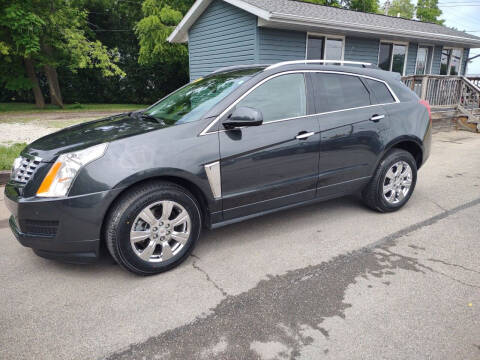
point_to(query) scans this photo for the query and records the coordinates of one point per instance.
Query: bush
(8, 154)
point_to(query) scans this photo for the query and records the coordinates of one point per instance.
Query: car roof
(358, 69)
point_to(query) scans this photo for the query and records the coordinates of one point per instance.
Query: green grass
(24, 107)
(8, 154)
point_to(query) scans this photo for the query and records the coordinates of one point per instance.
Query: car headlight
(62, 173)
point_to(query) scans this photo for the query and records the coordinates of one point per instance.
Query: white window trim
(326, 36)
(450, 60)
(406, 43)
(430, 47)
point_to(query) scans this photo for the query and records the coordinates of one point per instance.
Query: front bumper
(67, 229)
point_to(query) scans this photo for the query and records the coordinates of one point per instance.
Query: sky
(463, 15)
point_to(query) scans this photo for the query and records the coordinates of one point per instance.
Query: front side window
(338, 92)
(324, 48)
(392, 56)
(279, 98)
(191, 102)
(451, 61)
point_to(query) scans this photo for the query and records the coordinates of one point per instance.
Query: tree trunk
(37, 92)
(53, 85)
(52, 77)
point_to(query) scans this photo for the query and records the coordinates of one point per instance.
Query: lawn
(31, 108)
(8, 154)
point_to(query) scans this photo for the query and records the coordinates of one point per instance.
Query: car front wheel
(153, 228)
(393, 182)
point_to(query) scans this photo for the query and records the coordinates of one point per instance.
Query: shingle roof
(314, 11)
(300, 15)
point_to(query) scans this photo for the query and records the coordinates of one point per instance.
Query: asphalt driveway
(332, 280)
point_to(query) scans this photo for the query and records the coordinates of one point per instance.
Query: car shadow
(295, 216)
(248, 229)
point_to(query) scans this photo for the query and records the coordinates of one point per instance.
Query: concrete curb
(4, 176)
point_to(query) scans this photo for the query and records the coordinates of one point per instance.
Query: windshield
(191, 102)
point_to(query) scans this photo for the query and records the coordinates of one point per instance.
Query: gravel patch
(27, 127)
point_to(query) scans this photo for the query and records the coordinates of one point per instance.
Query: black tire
(124, 212)
(373, 193)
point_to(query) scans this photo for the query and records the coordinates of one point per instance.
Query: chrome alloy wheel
(160, 231)
(397, 182)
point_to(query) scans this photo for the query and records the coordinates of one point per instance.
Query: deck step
(470, 121)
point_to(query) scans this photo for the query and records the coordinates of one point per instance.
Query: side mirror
(243, 116)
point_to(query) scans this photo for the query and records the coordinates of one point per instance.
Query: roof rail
(237, 67)
(340, 62)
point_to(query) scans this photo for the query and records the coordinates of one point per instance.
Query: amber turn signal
(47, 182)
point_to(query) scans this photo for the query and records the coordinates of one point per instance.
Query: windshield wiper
(151, 117)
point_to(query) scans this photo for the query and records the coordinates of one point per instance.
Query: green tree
(41, 35)
(114, 23)
(427, 10)
(403, 7)
(159, 19)
(369, 6)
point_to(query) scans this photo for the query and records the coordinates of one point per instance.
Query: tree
(46, 34)
(427, 10)
(369, 6)
(403, 7)
(159, 19)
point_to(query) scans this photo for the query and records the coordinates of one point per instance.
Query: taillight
(429, 109)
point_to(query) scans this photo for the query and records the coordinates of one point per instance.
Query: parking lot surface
(333, 280)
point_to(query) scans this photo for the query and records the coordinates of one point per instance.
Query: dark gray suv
(236, 144)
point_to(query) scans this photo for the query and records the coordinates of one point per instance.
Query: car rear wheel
(153, 228)
(393, 182)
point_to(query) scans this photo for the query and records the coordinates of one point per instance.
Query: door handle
(304, 135)
(376, 118)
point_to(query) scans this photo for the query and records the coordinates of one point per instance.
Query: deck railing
(475, 79)
(445, 91)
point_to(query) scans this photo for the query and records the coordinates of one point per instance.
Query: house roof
(306, 16)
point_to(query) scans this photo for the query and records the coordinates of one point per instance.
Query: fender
(199, 181)
(394, 142)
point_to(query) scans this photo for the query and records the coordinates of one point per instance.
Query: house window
(391, 57)
(424, 60)
(324, 47)
(451, 61)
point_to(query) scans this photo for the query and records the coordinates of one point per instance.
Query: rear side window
(338, 92)
(282, 97)
(380, 92)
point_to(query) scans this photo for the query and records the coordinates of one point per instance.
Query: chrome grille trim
(24, 169)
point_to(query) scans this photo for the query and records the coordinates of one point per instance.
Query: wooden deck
(454, 97)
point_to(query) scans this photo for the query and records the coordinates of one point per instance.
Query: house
(222, 33)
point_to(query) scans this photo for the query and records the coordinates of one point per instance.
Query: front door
(275, 164)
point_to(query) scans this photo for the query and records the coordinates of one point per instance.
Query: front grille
(39, 227)
(24, 168)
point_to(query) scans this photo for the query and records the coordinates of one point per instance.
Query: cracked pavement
(332, 280)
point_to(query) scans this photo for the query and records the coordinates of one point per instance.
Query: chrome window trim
(214, 121)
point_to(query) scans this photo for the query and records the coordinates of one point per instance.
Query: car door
(351, 132)
(275, 164)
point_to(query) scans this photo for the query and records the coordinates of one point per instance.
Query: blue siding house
(223, 33)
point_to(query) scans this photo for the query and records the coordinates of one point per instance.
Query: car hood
(88, 134)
